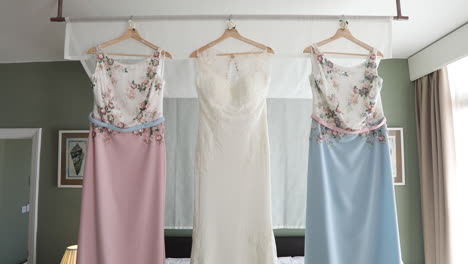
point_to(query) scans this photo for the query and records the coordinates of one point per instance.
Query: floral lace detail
(326, 134)
(329, 136)
(150, 134)
(104, 61)
(331, 115)
(330, 67)
(143, 114)
(366, 90)
(124, 109)
(106, 114)
(338, 107)
(102, 132)
(372, 136)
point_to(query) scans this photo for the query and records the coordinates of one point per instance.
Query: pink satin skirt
(122, 210)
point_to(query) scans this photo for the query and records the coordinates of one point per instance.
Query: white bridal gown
(232, 220)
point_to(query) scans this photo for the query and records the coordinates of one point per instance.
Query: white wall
(450, 48)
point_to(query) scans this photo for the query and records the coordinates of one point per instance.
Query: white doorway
(19, 184)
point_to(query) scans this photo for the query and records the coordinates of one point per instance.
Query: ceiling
(28, 36)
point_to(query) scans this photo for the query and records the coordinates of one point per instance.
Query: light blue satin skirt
(351, 212)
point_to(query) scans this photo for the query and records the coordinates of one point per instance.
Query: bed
(290, 249)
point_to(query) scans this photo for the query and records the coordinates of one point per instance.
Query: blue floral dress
(351, 213)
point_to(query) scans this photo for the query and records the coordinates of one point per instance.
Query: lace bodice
(128, 95)
(233, 84)
(346, 99)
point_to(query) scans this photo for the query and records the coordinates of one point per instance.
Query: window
(458, 192)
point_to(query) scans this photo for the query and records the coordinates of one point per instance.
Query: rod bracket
(59, 17)
(399, 16)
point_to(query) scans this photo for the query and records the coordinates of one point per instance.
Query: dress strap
(161, 63)
(316, 53)
(157, 53)
(99, 53)
(315, 48)
(373, 54)
(371, 60)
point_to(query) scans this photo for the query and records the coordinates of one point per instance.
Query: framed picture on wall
(397, 154)
(73, 146)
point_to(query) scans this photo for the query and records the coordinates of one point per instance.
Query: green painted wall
(57, 95)
(54, 96)
(398, 100)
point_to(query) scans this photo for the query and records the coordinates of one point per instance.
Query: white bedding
(282, 260)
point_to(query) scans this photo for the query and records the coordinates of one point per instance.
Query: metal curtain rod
(218, 17)
(60, 18)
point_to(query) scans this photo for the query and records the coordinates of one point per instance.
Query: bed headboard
(286, 246)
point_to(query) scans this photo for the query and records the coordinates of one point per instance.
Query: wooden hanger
(131, 33)
(344, 32)
(231, 32)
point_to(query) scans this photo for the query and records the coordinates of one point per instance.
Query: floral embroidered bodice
(128, 96)
(346, 99)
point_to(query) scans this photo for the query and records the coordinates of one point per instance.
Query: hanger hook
(343, 23)
(231, 24)
(131, 24)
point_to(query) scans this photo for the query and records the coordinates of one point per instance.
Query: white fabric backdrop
(289, 103)
(287, 37)
(288, 122)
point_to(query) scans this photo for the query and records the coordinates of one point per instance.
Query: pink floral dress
(122, 213)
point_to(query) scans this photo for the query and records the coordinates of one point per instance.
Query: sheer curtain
(458, 78)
